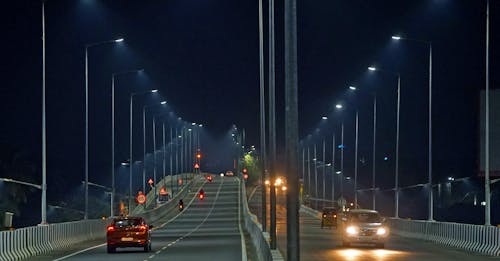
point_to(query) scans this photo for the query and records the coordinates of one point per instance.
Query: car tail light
(334, 216)
(143, 228)
(110, 228)
(201, 196)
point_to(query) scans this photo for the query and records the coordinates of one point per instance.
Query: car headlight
(351, 230)
(381, 231)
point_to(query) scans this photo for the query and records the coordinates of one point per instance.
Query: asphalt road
(207, 229)
(325, 244)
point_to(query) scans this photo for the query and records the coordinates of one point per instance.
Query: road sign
(141, 198)
(150, 181)
(196, 166)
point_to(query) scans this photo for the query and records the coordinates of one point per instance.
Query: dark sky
(203, 57)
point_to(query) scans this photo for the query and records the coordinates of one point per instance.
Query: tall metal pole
(86, 215)
(431, 197)
(171, 163)
(112, 145)
(342, 163)
(396, 178)
(131, 163)
(487, 192)
(309, 172)
(154, 158)
(272, 125)
(315, 159)
(324, 171)
(356, 162)
(374, 153)
(303, 171)
(177, 157)
(144, 148)
(291, 130)
(164, 161)
(44, 130)
(333, 169)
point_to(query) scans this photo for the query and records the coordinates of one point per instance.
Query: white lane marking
(243, 243)
(151, 256)
(163, 248)
(79, 252)
(158, 252)
(199, 225)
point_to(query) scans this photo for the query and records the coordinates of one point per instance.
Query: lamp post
(340, 107)
(132, 95)
(430, 197)
(113, 76)
(333, 169)
(398, 105)
(87, 46)
(43, 220)
(144, 141)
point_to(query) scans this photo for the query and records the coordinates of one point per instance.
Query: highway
(208, 228)
(325, 244)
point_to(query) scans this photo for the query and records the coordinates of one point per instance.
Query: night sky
(203, 58)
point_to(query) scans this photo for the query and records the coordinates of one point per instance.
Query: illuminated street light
(352, 88)
(339, 106)
(371, 68)
(396, 37)
(324, 118)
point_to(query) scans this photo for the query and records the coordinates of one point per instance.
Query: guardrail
(475, 238)
(153, 215)
(31, 241)
(259, 239)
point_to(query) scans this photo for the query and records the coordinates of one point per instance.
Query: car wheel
(380, 245)
(111, 249)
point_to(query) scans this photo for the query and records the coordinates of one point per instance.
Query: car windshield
(329, 211)
(127, 223)
(365, 217)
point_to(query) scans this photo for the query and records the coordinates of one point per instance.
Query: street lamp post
(333, 169)
(430, 197)
(113, 76)
(487, 183)
(144, 141)
(132, 95)
(398, 108)
(87, 46)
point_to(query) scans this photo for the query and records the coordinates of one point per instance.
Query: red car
(128, 232)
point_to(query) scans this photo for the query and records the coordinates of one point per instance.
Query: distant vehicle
(229, 173)
(181, 205)
(329, 217)
(209, 178)
(128, 232)
(364, 226)
(201, 194)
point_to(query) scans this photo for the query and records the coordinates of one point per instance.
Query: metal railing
(31, 241)
(475, 238)
(260, 239)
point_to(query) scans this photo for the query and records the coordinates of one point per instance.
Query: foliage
(251, 163)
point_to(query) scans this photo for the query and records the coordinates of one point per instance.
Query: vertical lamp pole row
(86, 215)
(308, 171)
(44, 132)
(144, 148)
(356, 162)
(154, 159)
(431, 197)
(374, 152)
(396, 179)
(164, 154)
(112, 200)
(177, 158)
(272, 125)
(171, 162)
(487, 193)
(324, 171)
(333, 169)
(291, 130)
(131, 163)
(315, 159)
(342, 164)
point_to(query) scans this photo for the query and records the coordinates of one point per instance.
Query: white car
(364, 226)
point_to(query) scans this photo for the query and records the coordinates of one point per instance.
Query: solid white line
(151, 256)
(243, 244)
(79, 252)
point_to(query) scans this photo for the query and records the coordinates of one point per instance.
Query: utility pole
(272, 126)
(291, 130)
